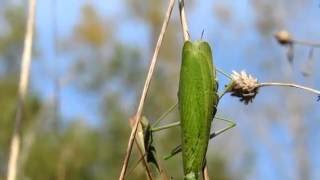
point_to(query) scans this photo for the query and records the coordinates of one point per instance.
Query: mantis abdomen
(197, 104)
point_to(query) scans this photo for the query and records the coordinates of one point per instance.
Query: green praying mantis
(197, 101)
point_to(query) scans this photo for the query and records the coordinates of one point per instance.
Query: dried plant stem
(205, 174)
(23, 84)
(307, 43)
(162, 171)
(184, 22)
(135, 165)
(144, 160)
(290, 85)
(145, 89)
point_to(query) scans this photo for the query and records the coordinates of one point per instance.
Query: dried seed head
(244, 86)
(284, 37)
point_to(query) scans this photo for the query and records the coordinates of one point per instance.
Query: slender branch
(290, 85)
(307, 43)
(136, 164)
(164, 175)
(285, 38)
(145, 163)
(163, 172)
(145, 89)
(184, 22)
(205, 173)
(23, 84)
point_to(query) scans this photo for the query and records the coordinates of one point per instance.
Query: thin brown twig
(163, 172)
(143, 156)
(144, 161)
(145, 89)
(23, 84)
(136, 165)
(205, 173)
(290, 85)
(184, 22)
(286, 39)
(307, 43)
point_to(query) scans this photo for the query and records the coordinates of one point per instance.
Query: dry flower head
(284, 37)
(244, 86)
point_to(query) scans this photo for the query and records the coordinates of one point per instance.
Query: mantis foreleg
(178, 149)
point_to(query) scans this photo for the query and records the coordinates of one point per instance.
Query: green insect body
(198, 100)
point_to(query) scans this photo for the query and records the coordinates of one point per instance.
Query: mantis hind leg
(231, 125)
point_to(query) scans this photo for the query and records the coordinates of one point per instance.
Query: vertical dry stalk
(184, 22)
(205, 173)
(24, 76)
(145, 89)
(144, 161)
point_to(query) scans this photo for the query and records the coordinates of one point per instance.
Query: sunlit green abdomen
(197, 101)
